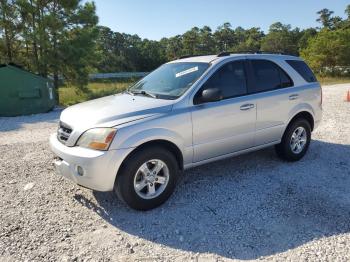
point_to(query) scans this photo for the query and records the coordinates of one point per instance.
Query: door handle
(246, 107)
(293, 97)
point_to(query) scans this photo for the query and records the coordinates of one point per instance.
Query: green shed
(24, 93)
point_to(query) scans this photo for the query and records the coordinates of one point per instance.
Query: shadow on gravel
(246, 207)
(16, 122)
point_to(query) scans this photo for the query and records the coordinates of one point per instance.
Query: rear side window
(230, 79)
(269, 76)
(302, 68)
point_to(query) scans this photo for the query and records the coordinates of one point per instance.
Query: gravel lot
(249, 207)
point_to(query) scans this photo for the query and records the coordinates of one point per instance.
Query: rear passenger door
(274, 97)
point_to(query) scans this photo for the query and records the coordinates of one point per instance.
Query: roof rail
(250, 52)
(226, 53)
(268, 52)
(223, 54)
(187, 56)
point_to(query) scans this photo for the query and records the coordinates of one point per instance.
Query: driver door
(228, 125)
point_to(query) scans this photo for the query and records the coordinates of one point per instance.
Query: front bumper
(99, 167)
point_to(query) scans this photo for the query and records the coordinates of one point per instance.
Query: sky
(154, 19)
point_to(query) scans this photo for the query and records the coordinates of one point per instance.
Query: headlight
(97, 138)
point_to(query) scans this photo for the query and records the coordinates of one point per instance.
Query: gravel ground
(249, 207)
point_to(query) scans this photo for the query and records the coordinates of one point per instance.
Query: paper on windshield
(188, 71)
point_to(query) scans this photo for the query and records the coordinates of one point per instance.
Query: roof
(224, 56)
(20, 68)
(12, 64)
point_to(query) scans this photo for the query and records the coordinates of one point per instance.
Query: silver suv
(187, 113)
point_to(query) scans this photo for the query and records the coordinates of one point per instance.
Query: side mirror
(211, 95)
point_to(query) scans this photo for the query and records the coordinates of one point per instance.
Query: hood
(113, 110)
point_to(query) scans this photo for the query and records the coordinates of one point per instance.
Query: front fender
(125, 140)
(151, 134)
(175, 128)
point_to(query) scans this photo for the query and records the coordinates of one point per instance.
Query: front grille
(63, 132)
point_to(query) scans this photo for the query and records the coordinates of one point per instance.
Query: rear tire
(147, 178)
(295, 141)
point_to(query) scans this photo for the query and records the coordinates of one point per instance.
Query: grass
(69, 95)
(328, 80)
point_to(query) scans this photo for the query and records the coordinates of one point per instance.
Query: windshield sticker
(188, 71)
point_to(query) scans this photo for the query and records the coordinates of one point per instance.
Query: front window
(230, 79)
(169, 81)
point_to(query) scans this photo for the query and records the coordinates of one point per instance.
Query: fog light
(80, 171)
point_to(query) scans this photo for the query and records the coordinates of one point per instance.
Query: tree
(8, 29)
(325, 18)
(347, 11)
(191, 42)
(281, 39)
(207, 42)
(248, 40)
(224, 37)
(328, 50)
(117, 51)
(173, 47)
(106, 50)
(337, 22)
(346, 22)
(151, 55)
(305, 36)
(328, 21)
(59, 37)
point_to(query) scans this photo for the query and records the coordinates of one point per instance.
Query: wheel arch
(166, 144)
(305, 114)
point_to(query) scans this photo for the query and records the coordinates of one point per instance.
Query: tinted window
(269, 76)
(286, 81)
(302, 68)
(230, 79)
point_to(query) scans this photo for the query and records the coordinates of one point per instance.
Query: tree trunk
(6, 31)
(55, 85)
(55, 68)
(55, 62)
(41, 40)
(27, 52)
(8, 46)
(35, 46)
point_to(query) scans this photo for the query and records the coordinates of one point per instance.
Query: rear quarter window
(302, 68)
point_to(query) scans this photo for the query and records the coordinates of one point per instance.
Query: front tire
(295, 141)
(147, 178)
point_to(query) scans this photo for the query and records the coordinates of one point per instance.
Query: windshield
(169, 81)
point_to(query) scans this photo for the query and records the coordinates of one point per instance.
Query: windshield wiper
(129, 92)
(142, 92)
